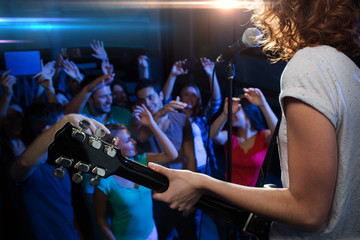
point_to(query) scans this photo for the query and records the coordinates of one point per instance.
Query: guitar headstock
(78, 151)
(81, 152)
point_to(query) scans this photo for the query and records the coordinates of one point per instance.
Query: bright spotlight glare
(227, 4)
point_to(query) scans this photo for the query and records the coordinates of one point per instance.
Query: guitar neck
(78, 151)
(143, 175)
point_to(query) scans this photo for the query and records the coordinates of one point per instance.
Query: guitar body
(80, 152)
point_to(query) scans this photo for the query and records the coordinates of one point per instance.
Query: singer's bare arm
(312, 153)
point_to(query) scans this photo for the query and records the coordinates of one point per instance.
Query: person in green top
(131, 204)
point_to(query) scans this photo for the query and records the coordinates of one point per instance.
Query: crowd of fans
(158, 127)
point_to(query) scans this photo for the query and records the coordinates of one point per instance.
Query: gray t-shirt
(328, 81)
(178, 131)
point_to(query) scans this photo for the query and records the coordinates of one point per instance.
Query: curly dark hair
(290, 25)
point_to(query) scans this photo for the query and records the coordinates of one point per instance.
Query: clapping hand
(98, 47)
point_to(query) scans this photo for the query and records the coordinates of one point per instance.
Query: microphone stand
(230, 76)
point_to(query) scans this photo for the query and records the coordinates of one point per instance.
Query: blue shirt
(47, 201)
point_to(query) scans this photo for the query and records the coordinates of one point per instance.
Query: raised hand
(107, 67)
(100, 82)
(63, 53)
(255, 96)
(98, 47)
(208, 65)
(177, 68)
(174, 106)
(235, 105)
(72, 70)
(47, 71)
(7, 82)
(46, 74)
(143, 115)
(143, 61)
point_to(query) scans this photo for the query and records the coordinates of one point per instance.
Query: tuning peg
(94, 141)
(84, 125)
(63, 161)
(82, 167)
(80, 134)
(98, 171)
(109, 150)
(77, 177)
(59, 172)
(95, 181)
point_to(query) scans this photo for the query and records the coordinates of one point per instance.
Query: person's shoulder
(178, 117)
(317, 52)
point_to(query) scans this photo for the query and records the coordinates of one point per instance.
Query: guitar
(73, 148)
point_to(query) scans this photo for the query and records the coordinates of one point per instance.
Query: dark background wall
(165, 34)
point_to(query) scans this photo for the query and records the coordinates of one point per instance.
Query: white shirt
(328, 81)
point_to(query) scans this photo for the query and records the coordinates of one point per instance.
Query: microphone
(250, 38)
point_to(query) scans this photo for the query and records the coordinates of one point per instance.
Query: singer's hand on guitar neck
(183, 192)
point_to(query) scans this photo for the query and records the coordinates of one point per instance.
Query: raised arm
(172, 106)
(313, 162)
(144, 66)
(106, 67)
(77, 104)
(176, 70)
(6, 82)
(170, 153)
(100, 52)
(45, 79)
(209, 68)
(72, 70)
(221, 137)
(256, 97)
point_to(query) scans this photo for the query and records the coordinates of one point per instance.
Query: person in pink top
(250, 140)
(250, 135)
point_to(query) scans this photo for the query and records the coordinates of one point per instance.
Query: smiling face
(151, 99)
(126, 144)
(101, 100)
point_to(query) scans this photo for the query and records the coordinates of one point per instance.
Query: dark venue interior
(164, 31)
